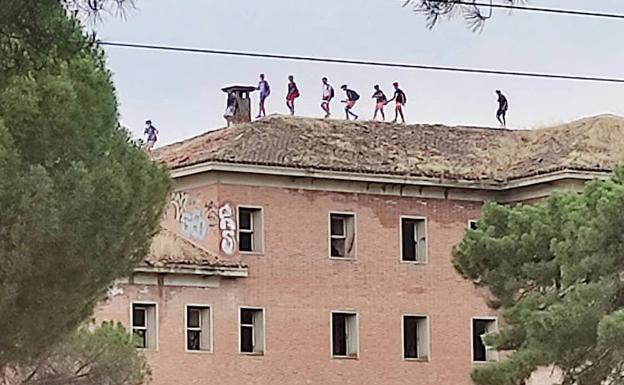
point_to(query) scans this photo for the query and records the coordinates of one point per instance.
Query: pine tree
(78, 202)
(555, 272)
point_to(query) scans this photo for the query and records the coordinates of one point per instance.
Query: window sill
(343, 258)
(414, 262)
(252, 353)
(251, 252)
(198, 351)
(345, 357)
(483, 362)
(422, 360)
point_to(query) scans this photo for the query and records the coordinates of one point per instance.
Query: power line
(363, 62)
(559, 11)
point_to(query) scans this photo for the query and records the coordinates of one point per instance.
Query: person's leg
(375, 114)
(504, 118)
(260, 108)
(400, 108)
(498, 117)
(351, 105)
(396, 113)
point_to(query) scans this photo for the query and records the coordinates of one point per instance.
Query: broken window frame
(423, 340)
(421, 241)
(491, 355)
(352, 334)
(150, 329)
(256, 216)
(204, 329)
(258, 328)
(472, 224)
(348, 236)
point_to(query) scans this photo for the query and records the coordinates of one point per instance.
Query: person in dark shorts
(352, 97)
(265, 91)
(380, 102)
(503, 105)
(400, 99)
(327, 96)
(293, 93)
(151, 133)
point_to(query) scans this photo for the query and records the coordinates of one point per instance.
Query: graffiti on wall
(194, 217)
(227, 225)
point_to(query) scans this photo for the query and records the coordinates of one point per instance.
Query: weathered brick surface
(298, 285)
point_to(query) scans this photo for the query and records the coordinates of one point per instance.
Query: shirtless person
(327, 96)
(380, 102)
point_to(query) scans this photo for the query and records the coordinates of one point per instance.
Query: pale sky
(181, 92)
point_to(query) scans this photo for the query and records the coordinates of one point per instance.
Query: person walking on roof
(265, 91)
(293, 93)
(503, 105)
(151, 133)
(352, 97)
(380, 102)
(400, 99)
(327, 96)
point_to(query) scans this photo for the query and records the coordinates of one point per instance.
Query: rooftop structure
(491, 157)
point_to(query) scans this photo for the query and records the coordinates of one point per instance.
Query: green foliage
(555, 270)
(90, 356)
(79, 202)
(474, 12)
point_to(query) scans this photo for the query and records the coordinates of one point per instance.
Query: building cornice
(549, 177)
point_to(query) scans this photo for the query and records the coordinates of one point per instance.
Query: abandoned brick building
(304, 251)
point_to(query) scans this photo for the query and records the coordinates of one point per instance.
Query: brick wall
(298, 285)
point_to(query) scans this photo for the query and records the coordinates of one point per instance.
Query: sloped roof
(171, 250)
(479, 154)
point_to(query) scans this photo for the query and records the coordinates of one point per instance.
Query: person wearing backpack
(400, 99)
(327, 96)
(265, 91)
(293, 93)
(352, 97)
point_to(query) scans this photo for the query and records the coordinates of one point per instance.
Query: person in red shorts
(293, 93)
(400, 99)
(380, 102)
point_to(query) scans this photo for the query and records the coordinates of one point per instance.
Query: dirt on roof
(486, 155)
(169, 250)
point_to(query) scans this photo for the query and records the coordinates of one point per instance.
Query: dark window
(472, 224)
(249, 229)
(415, 337)
(339, 322)
(481, 327)
(414, 245)
(138, 316)
(344, 335)
(410, 337)
(193, 328)
(342, 235)
(144, 325)
(251, 331)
